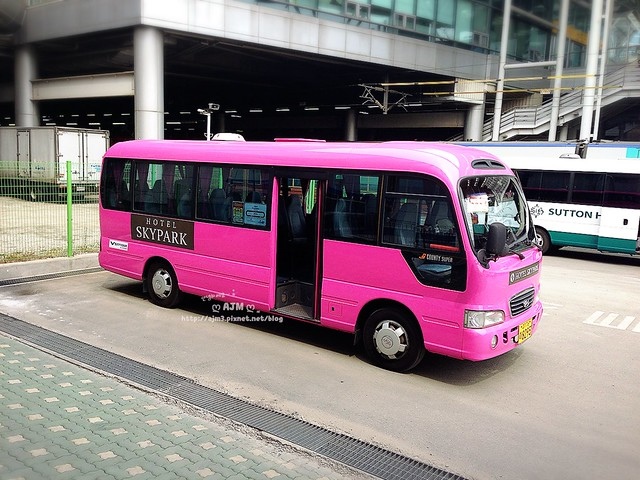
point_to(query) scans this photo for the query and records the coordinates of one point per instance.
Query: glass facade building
(477, 24)
(434, 66)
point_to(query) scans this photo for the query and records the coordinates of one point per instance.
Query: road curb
(10, 271)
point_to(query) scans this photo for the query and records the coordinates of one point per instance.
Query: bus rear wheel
(393, 341)
(162, 285)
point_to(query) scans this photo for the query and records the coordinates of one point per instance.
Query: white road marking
(609, 321)
(624, 324)
(594, 316)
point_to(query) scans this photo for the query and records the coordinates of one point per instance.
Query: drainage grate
(49, 276)
(339, 447)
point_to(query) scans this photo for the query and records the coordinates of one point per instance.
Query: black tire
(162, 285)
(392, 340)
(544, 241)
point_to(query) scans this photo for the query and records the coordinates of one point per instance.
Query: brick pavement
(61, 421)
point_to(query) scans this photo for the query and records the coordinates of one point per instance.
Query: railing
(43, 220)
(618, 84)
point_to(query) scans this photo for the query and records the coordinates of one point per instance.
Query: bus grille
(522, 302)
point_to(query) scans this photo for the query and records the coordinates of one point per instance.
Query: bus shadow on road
(197, 307)
(309, 333)
(434, 367)
(130, 288)
(465, 372)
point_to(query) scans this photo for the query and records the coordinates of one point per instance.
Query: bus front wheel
(162, 285)
(392, 341)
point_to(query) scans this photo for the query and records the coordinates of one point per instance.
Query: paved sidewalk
(61, 421)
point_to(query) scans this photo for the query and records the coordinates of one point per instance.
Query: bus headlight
(482, 319)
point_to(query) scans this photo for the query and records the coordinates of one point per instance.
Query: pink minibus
(410, 246)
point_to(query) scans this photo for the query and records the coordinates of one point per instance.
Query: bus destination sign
(167, 231)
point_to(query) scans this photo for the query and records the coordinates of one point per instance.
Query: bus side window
(233, 195)
(351, 207)
(588, 188)
(211, 198)
(116, 192)
(163, 188)
(622, 191)
(554, 187)
(183, 191)
(418, 213)
(439, 226)
(531, 183)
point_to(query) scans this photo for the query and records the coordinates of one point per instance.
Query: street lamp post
(207, 113)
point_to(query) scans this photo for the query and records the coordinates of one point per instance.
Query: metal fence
(43, 220)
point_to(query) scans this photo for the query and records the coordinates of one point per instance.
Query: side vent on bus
(487, 164)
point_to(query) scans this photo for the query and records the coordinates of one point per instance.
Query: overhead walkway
(618, 85)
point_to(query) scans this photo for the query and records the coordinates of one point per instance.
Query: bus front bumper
(484, 343)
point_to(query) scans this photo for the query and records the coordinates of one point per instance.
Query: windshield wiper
(520, 256)
(515, 242)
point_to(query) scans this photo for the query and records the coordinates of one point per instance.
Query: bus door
(620, 222)
(297, 265)
(619, 230)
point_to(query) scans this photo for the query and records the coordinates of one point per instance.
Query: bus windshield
(490, 199)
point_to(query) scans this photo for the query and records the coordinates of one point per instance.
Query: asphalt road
(566, 405)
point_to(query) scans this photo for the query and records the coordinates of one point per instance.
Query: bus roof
(427, 157)
(567, 164)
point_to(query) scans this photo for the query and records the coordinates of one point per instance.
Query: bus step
(296, 310)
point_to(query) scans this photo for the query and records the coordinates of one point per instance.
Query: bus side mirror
(496, 244)
(497, 240)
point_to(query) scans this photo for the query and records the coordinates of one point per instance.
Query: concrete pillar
(564, 133)
(593, 50)
(26, 70)
(504, 42)
(148, 70)
(350, 127)
(603, 61)
(474, 123)
(557, 82)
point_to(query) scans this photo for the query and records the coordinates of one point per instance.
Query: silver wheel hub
(161, 283)
(390, 339)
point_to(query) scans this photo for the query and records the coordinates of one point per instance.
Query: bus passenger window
(406, 223)
(555, 187)
(163, 188)
(351, 209)
(418, 214)
(622, 191)
(233, 195)
(183, 191)
(588, 188)
(211, 198)
(115, 190)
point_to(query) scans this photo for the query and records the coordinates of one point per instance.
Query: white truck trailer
(33, 161)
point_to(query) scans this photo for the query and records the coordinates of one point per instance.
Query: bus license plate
(525, 330)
